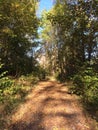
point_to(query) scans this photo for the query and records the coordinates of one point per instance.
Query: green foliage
(12, 95)
(18, 31)
(78, 84)
(86, 85)
(91, 94)
(69, 35)
(41, 73)
(9, 88)
(60, 77)
(5, 83)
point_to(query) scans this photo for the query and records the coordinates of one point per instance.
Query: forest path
(50, 107)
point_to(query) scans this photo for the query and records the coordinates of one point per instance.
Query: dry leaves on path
(50, 107)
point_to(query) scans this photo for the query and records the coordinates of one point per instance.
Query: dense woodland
(70, 44)
(66, 37)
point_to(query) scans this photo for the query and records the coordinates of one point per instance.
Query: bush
(78, 87)
(91, 91)
(60, 76)
(86, 85)
(5, 83)
(41, 73)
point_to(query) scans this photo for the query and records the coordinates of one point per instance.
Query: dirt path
(50, 107)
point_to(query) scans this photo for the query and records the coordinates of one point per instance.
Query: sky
(45, 4)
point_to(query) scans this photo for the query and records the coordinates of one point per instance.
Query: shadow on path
(50, 107)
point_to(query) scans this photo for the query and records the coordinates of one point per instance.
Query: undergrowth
(85, 85)
(12, 93)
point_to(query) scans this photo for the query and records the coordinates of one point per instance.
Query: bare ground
(50, 107)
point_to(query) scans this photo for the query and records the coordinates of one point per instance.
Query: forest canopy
(70, 32)
(18, 31)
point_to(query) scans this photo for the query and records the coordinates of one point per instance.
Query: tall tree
(18, 31)
(75, 27)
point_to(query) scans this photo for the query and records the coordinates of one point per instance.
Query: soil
(49, 106)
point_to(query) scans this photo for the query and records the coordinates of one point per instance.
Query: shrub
(78, 87)
(5, 83)
(91, 91)
(86, 85)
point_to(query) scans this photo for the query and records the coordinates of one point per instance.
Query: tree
(18, 31)
(74, 24)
